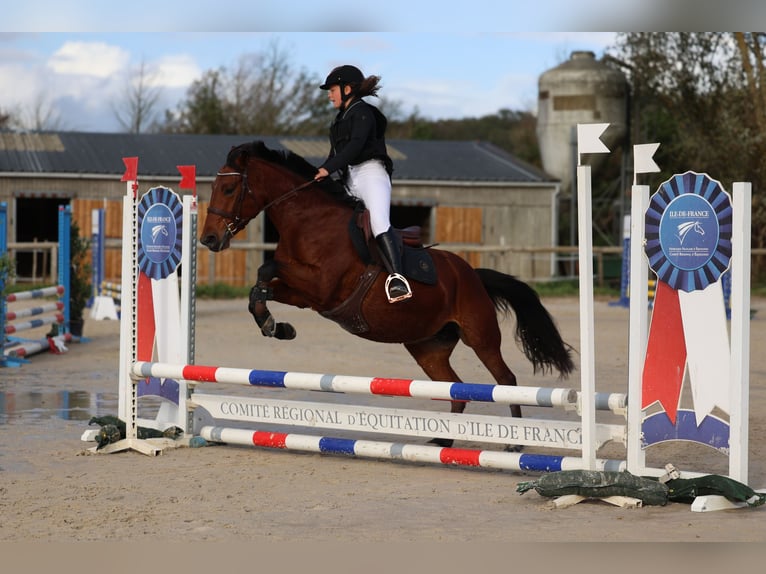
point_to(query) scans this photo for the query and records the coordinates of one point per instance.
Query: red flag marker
(188, 177)
(131, 169)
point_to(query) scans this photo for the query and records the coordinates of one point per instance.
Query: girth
(349, 313)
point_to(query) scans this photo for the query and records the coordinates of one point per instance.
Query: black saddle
(417, 263)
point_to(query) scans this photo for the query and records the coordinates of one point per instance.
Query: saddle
(417, 265)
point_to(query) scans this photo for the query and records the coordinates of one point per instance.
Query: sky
(442, 75)
(441, 58)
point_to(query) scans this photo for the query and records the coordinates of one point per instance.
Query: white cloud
(96, 59)
(17, 84)
(177, 71)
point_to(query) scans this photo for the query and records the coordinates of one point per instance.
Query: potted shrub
(79, 279)
(7, 272)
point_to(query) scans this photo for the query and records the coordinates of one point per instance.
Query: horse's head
(254, 179)
(232, 202)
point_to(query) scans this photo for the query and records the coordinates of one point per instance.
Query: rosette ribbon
(688, 243)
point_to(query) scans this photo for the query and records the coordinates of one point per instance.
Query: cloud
(176, 71)
(95, 59)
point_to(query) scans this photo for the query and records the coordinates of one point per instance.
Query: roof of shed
(159, 154)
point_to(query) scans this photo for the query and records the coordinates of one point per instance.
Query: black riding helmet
(341, 76)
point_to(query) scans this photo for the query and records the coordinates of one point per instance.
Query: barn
(468, 196)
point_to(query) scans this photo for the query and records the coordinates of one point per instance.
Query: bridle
(233, 220)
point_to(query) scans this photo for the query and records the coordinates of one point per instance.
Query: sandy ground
(53, 490)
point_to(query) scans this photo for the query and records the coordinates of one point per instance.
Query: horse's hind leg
(259, 294)
(433, 357)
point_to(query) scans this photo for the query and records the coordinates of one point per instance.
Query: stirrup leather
(407, 295)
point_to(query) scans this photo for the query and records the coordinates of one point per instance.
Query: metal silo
(581, 90)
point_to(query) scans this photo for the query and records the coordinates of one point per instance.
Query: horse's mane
(239, 155)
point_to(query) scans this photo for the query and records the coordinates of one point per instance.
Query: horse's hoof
(514, 448)
(443, 442)
(284, 331)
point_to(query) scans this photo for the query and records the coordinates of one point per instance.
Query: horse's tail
(536, 332)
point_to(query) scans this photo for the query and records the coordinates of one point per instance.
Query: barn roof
(159, 154)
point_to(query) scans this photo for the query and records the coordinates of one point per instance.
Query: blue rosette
(159, 219)
(688, 229)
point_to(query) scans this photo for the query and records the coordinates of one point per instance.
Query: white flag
(643, 161)
(588, 139)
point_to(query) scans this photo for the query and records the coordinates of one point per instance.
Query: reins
(234, 223)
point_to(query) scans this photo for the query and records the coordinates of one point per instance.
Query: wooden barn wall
(516, 217)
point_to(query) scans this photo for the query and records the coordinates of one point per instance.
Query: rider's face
(334, 95)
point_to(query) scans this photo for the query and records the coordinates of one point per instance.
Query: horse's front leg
(259, 294)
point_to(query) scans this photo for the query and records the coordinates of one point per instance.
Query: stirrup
(401, 278)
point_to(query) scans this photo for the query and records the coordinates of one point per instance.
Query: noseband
(233, 220)
(234, 223)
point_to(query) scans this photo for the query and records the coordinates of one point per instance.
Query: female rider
(358, 152)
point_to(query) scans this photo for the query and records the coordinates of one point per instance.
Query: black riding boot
(397, 287)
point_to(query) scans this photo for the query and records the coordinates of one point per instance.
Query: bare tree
(136, 110)
(43, 116)
(6, 119)
(39, 115)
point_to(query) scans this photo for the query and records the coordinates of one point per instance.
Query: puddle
(26, 406)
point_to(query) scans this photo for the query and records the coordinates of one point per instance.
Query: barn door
(455, 225)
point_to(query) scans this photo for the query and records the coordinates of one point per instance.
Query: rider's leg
(371, 183)
(397, 287)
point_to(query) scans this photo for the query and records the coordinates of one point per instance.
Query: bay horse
(316, 265)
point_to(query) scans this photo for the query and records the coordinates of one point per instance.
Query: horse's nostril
(210, 241)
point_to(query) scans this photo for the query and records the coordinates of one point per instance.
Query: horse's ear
(237, 158)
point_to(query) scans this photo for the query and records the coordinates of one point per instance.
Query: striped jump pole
(405, 452)
(32, 311)
(57, 319)
(424, 389)
(27, 348)
(35, 294)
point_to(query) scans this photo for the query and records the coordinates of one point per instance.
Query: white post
(188, 301)
(126, 408)
(639, 326)
(740, 331)
(587, 351)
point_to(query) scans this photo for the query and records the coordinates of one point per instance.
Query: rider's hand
(321, 174)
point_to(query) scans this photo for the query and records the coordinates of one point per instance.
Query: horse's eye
(230, 190)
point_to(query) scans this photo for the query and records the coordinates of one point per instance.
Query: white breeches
(369, 182)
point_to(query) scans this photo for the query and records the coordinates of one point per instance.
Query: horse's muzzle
(212, 242)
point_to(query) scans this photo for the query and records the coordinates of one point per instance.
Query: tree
(5, 119)
(43, 116)
(513, 131)
(701, 95)
(262, 95)
(136, 110)
(40, 115)
(204, 109)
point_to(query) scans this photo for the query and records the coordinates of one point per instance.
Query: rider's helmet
(343, 75)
